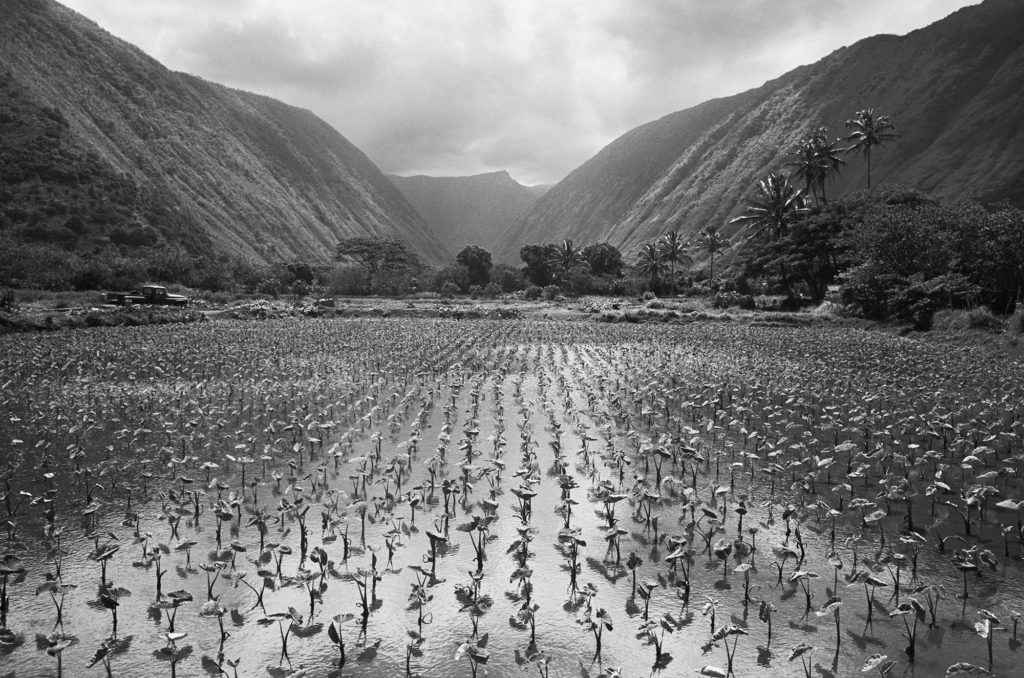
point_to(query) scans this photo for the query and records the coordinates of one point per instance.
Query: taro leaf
(102, 652)
(308, 631)
(478, 656)
(902, 609)
(966, 669)
(873, 662)
(830, 606)
(57, 648)
(712, 671)
(874, 516)
(726, 631)
(800, 650)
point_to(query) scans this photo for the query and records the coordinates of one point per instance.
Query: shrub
(7, 300)
(979, 318)
(1016, 322)
(449, 289)
(982, 318)
(733, 299)
(533, 292)
(550, 292)
(347, 281)
(492, 291)
(507, 278)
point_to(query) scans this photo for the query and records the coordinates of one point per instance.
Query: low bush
(733, 300)
(1015, 323)
(980, 318)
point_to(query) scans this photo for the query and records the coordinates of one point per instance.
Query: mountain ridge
(468, 210)
(185, 161)
(949, 85)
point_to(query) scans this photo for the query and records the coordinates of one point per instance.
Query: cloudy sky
(535, 87)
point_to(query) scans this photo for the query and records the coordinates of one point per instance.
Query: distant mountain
(954, 90)
(474, 210)
(100, 143)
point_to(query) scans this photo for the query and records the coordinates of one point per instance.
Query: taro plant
(413, 648)
(803, 578)
(871, 582)
(803, 652)
(878, 662)
(57, 591)
(476, 653)
(652, 632)
(102, 656)
(478, 527)
(526, 616)
(764, 613)
(832, 606)
(570, 543)
(418, 599)
(933, 593)
(986, 629)
(57, 650)
(646, 590)
(710, 610)
(170, 605)
(172, 652)
(633, 562)
(239, 577)
(286, 623)
(334, 633)
(914, 609)
(723, 635)
(597, 623)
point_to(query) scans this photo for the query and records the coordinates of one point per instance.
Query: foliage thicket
(893, 253)
(896, 254)
(45, 266)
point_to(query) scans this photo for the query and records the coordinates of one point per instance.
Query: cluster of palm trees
(660, 261)
(816, 160)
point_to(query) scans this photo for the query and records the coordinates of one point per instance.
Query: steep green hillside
(100, 143)
(955, 91)
(474, 210)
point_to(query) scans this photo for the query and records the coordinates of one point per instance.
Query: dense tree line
(891, 253)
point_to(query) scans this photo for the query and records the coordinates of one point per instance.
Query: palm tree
(869, 131)
(649, 263)
(672, 251)
(712, 242)
(566, 256)
(775, 204)
(817, 159)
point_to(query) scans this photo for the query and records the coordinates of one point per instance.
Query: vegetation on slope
(103, 145)
(955, 86)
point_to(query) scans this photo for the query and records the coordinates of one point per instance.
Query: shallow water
(162, 401)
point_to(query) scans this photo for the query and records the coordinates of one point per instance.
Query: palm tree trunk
(712, 269)
(868, 153)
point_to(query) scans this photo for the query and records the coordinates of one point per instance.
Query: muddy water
(220, 390)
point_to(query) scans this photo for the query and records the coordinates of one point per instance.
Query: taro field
(445, 498)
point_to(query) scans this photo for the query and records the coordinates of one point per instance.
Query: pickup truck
(148, 294)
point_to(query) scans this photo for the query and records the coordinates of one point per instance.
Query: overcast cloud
(535, 87)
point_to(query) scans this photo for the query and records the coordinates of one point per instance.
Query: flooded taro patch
(444, 498)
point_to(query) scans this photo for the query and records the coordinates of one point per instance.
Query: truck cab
(148, 294)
